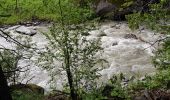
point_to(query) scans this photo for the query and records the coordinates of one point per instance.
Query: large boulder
(33, 88)
(104, 7)
(117, 9)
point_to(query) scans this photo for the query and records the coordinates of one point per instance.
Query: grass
(43, 10)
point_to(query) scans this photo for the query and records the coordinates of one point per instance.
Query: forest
(84, 49)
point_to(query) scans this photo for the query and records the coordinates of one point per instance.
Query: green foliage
(147, 83)
(41, 10)
(134, 20)
(160, 80)
(95, 95)
(8, 62)
(118, 91)
(157, 19)
(111, 91)
(162, 59)
(26, 95)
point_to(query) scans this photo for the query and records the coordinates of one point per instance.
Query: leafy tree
(76, 53)
(78, 58)
(9, 58)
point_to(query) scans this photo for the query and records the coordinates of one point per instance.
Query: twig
(8, 38)
(30, 79)
(157, 41)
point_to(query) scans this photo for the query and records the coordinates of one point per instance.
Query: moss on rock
(28, 88)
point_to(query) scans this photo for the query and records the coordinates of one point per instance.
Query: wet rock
(8, 29)
(102, 34)
(131, 36)
(97, 33)
(115, 43)
(104, 7)
(26, 31)
(28, 88)
(152, 95)
(58, 95)
(111, 10)
(140, 98)
(142, 78)
(33, 23)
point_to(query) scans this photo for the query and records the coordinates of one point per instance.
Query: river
(128, 52)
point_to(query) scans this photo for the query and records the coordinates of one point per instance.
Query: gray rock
(111, 10)
(28, 88)
(133, 36)
(140, 98)
(26, 31)
(104, 7)
(115, 43)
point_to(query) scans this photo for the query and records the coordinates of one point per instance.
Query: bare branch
(9, 38)
(157, 41)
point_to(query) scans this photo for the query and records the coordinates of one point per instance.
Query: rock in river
(26, 31)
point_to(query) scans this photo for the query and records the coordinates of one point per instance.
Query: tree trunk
(69, 74)
(4, 89)
(66, 48)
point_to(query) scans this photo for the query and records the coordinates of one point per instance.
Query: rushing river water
(129, 52)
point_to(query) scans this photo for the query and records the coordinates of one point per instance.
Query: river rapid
(126, 51)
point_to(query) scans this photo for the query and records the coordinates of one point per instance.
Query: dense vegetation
(68, 12)
(18, 11)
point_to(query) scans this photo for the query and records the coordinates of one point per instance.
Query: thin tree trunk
(68, 67)
(4, 89)
(16, 7)
(69, 75)
(67, 58)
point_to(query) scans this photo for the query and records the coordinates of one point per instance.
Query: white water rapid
(129, 52)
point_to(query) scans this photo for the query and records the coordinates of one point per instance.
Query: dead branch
(157, 41)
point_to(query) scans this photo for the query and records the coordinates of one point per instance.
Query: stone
(104, 8)
(111, 9)
(130, 36)
(140, 98)
(57, 95)
(26, 31)
(115, 43)
(152, 95)
(28, 88)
